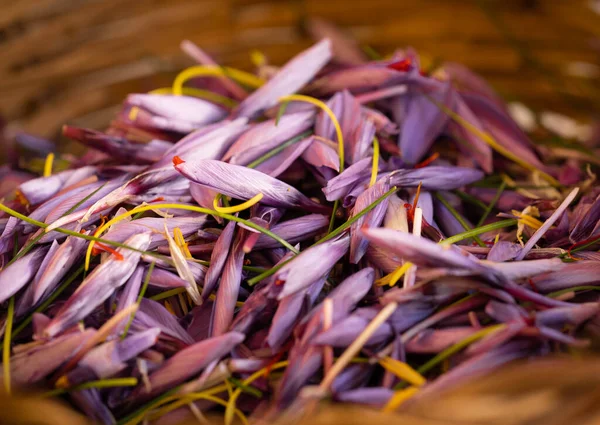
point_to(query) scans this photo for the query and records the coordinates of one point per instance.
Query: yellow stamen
(183, 303)
(320, 104)
(245, 78)
(169, 308)
(133, 113)
(392, 278)
(237, 208)
(258, 58)
(6, 345)
(230, 409)
(181, 243)
(178, 400)
(497, 238)
(213, 297)
(375, 161)
(400, 397)
(133, 212)
(203, 94)
(403, 371)
(488, 139)
(48, 165)
(199, 396)
(62, 382)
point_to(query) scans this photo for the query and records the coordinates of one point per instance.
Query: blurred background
(73, 61)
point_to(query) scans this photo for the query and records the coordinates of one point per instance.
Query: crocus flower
(263, 137)
(119, 147)
(189, 362)
(19, 273)
(175, 113)
(358, 244)
(99, 285)
(229, 287)
(290, 78)
(245, 183)
(310, 265)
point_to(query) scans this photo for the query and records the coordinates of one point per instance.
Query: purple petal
(177, 113)
(203, 195)
(90, 402)
(289, 312)
(419, 250)
(435, 177)
(156, 226)
(376, 397)
(152, 314)
(119, 147)
(421, 120)
(358, 244)
(339, 186)
(244, 183)
(294, 231)
(218, 258)
(265, 136)
(320, 154)
(41, 189)
(503, 312)
(569, 275)
(310, 265)
(504, 130)
(290, 79)
(468, 142)
(39, 361)
(59, 263)
(19, 273)
(77, 196)
(99, 285)
(188, 362)
(207, 143)
(279, 163)
(522, 269)
(110, 358)
(504, 251)
(257, 306)
(432, 341)
(227, 294)
(357, 79)
(561, 316)
(164, 279)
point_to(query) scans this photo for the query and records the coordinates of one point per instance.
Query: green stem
(573, 289)
(246, 388)
(458, 217)
(336, 205)
(278, 149)
(492, 204)
(167, 294)
(478, 231)
(329, 236)
(471, 199)
(36, 239)
(6, 346)
(102, 383)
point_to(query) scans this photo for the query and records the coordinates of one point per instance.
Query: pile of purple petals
(250, 256)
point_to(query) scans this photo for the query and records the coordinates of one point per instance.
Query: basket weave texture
(74, 60)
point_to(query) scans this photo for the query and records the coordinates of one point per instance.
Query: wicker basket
(74, 60)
